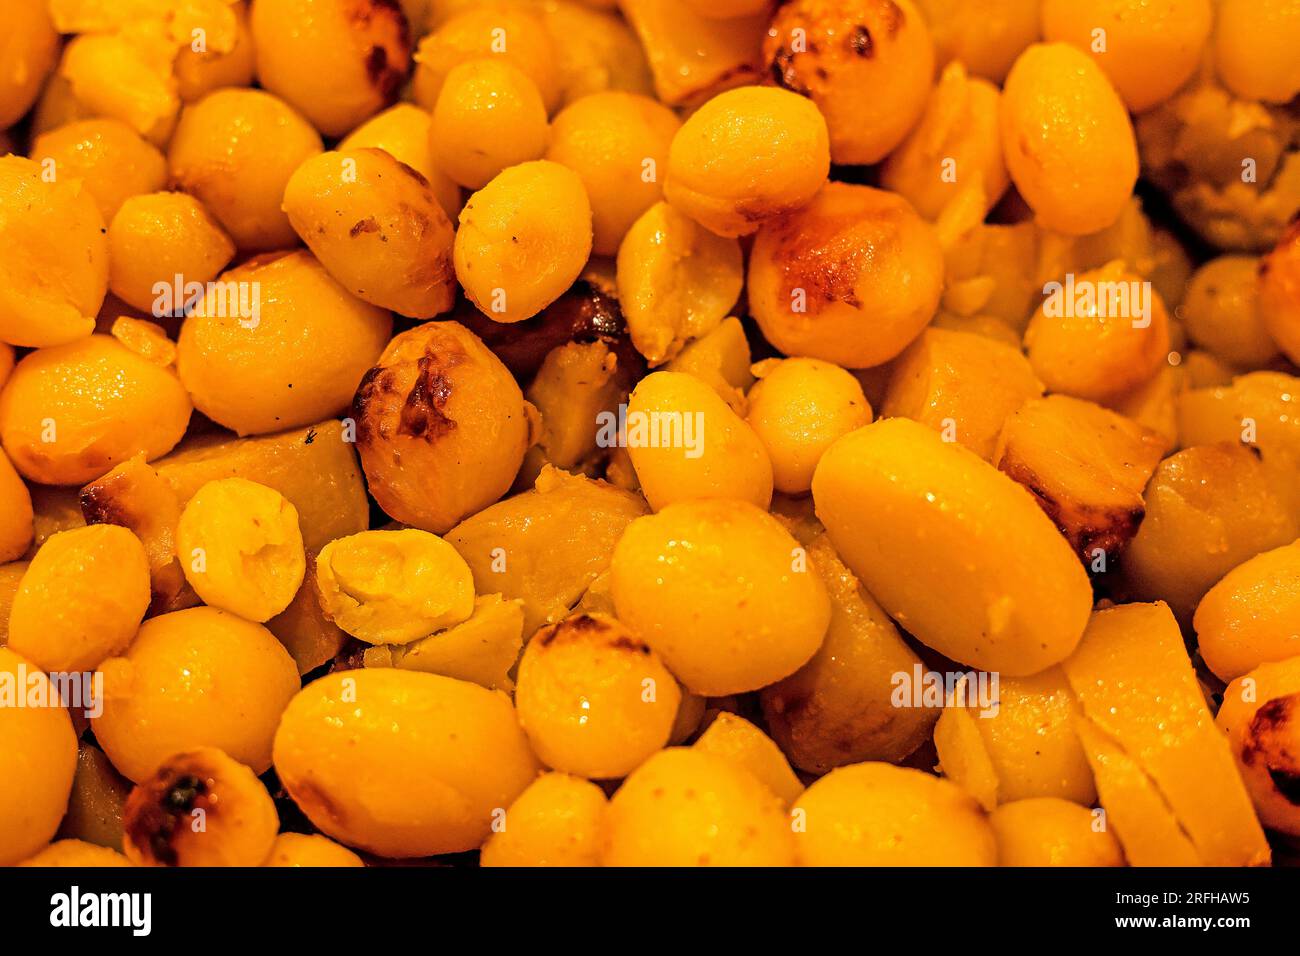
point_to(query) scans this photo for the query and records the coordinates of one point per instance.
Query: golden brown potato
(402, 131)
(1085, 465)
(112, 161)
(198, 73)
(1260, 409)
(1279, 292)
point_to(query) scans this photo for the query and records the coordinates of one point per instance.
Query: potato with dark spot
(835, 51)
(337, 61)
(1261, 716)
(378, 228)
(199, 808)
(442, 427)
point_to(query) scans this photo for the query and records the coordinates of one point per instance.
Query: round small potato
(442, 427)
(1067, 140)
(122, 75)
(557, 821)
(798, 408)
(72, 412)
(393, 587)
(76, 853)
(914, 517)
(54, 274)
(81, 600)
(277, 343)
(985, 35)
(676, 281)
(235, 150)
(954, 146)
(1221, 312)
(310, 850)
(493, 106)
(112, 161)
(38, 757)
(162, 816)
(16, 527)
(156, 237)
(378, 227)
(492, 30)
(684, 807)
(1254, 48)
(1261, 716)
(523, 240)
(593, 700)
(1249, 617)
(833, 51)
(1110, 338)
(851, 278)
(686, 443)
(241, 549)
(402, 131)
(402, 763)
(1052, 832)
(876, 814)
(746, 156)
(199, 73)
(29, 49)
(618, 144)
(1279, 293)
(1147, 48)
(722, 593)
(194, 678)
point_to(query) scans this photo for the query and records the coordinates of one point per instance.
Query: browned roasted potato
(98, 798)
(1085, 465)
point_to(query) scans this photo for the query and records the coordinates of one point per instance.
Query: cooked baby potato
(37, 763)
(441, 426)
(497, 108)
(685, 807)
(29, 50)
(798, 407)
(1222, 315)
(126, 76)
(310, 637)
(81, 600)
(199, 808)
(1085, 465)
(593, 699)
(557, 821)
(913, 515)
(392, 587)
(962, 385)
(618, 144)
(199, 72)
(1249, 617)
(194, 678)
(1279, 293)
(546, 546)
(523, 239)
(576, 383)
(71, 412)
(720, 359)
(838, 708)
(1067, 139)
(55, 273)
(309, 850)
(98, 799)
(875, 814)
(378, 228)
(337, 61)
(277, 343)
(955, 146)
(833, 50)
(722, 592)
(513, 33)
(156, 237)
(1110, 338)
(482, 649)
(16, 516)
(1147, 49)
(729, 169)
(241, 549)
(686, 444)
(402, 764)
(1051, 832)
(1208, 509)
(676, 281)
(1254, 49)
(402, 131)
(1259, 409)
(985, 35)
(112, 161)
(851, 278)
(745, 745)
(235, 150)
(1259, 715)
(76, 853)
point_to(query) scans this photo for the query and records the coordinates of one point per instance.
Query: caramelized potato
(1261, 717)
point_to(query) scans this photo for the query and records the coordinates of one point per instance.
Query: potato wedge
(482, 650)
